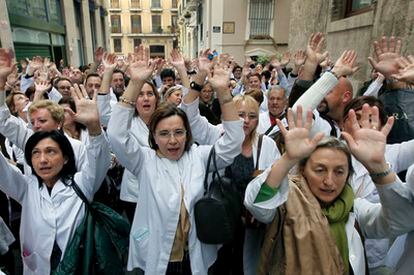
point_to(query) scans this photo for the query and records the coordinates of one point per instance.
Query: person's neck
(146, 119)
(23, 115)
(72, 131)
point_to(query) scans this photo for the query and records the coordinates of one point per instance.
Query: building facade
(352, 24)
(239, 27)
(59, 29)
(151, 22)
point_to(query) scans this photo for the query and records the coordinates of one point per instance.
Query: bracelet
(380, 174)
(126, 101)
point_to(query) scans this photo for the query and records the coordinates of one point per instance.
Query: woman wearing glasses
(163, 236)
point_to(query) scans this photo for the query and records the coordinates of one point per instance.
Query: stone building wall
(356, 32)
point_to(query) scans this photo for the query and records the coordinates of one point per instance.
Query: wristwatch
(196, 86)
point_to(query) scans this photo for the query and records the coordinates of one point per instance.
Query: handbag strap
(259, 149)
(79, 192)
(207, 169)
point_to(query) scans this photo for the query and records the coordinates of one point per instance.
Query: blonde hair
(250, 103)
(171, 90)
(56, 111)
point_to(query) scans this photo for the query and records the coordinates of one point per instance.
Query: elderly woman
(163, 237)
(314, 214)
(51, 210)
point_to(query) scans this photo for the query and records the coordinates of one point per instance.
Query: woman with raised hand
(313, 213)
(258, 153)
(51, 210)
(171, 173)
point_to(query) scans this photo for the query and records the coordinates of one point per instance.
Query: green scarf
(337, 214)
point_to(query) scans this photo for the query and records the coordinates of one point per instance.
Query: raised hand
(406, 71)
(387, 54)
(299, 58)
(141, 67)
(41, 87)
(35, 64)
(6, 65)
(109, 61)
(86, 108)
(285, 59)
(345, 65)
(204, 64)
(275, 62)
(220, 79)
(99, 55)
(177, 60)
(314, 48)
(297, 141)
(367, 139)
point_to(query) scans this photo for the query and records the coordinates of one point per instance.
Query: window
(156, 4)
(135, 4)
(136, 24)
(115, 4)
(115, 23)
(174, 20)
(357, 6)
(260, 17)
(137, 42)
(157, 50)
(55, 12)
(156, 24)
(173, 4)
(117, 45)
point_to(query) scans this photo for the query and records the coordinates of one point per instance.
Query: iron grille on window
(260, 17)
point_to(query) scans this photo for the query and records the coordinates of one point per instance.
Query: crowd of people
(324, 173)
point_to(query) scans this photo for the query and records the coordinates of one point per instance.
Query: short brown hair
(166, 110)
(10, 101)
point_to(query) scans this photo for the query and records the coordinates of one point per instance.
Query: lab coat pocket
(31, 261)
(140, 237)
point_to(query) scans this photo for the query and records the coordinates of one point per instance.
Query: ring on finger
(374, 127)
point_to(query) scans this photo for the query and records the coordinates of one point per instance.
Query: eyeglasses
(251, 116)
(178, 133)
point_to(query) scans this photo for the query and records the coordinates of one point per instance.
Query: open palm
(297, 141)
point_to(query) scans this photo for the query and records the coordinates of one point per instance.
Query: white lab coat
(130, 184)
(393, 218)
(155, 221)
(205, 133)
(46, 218)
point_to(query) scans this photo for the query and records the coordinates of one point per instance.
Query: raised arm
(344, 66)
(126, 148)
(298, 146)
(10, 126)
(104, 98)
(98, 157)
(177, 60)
